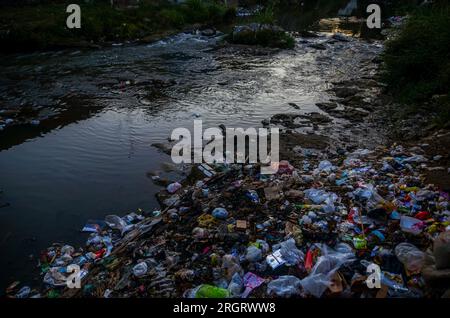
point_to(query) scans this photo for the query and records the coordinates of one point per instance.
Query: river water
(94, 158)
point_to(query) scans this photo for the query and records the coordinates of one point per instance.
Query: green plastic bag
(208, 291)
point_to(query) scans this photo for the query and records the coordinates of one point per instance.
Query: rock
(208, 32)
(341, 37)
(308, 34)
(287, 120)
(327, 106)
(318, 118)
(344, 92)
(318, 46)
(261, 34)
(165, 147)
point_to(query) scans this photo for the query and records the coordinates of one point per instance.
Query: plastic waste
(326, 166)
(140, 269)
(368, 194)
(320, 196)
(208, 291)
(254, 254)
(253, 196)
(220, 213)
(415, 159)
(24, 292)
(285, 286)
(410, 256)
(231, 266)
(251, 281)
(115, 222)
(236, 285)
(326, 266)
(411, 225)
(55, 276)
(199, 233)
(173, 187)
(289, 252)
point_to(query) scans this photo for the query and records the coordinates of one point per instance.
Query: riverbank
(43, 27)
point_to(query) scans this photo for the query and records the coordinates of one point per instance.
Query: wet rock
(318, 118)
(352, 114)
(287, 120)
(326, 107)
(261, 34)
(341, 37)
(208, 32)
(318, 46)
(344, 92)
(308, 34)
(165, 147)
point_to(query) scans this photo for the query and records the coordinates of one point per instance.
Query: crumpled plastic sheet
(410, 256)
(326, 266)
(285, 286)
(117, 223)
(289, 251)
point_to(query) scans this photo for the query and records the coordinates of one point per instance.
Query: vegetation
(44, 26)
(267, 34)
(417, 64)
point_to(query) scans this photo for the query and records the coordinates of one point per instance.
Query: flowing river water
(93, 159)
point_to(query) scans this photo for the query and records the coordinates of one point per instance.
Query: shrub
(417, 60)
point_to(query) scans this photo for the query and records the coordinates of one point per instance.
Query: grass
(265, 36)
(417, 64)
(34, 27)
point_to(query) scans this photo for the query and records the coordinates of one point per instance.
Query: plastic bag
(55, 277)
(360, 153)
(220, 213)
(368, 194)
(254, 254)
(251, 281)
(410, 256)
(117, 223)
(320, 196)
(326, 166)
(289, 252)
(208, 291)
(24, 292)
(326, 266)
(285, 286)
(231, 266)
(236, 285)
(411, 225)
(173, 187)
(140, 269)
(415, 158)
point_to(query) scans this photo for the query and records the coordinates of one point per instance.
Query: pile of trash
(359, 225)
